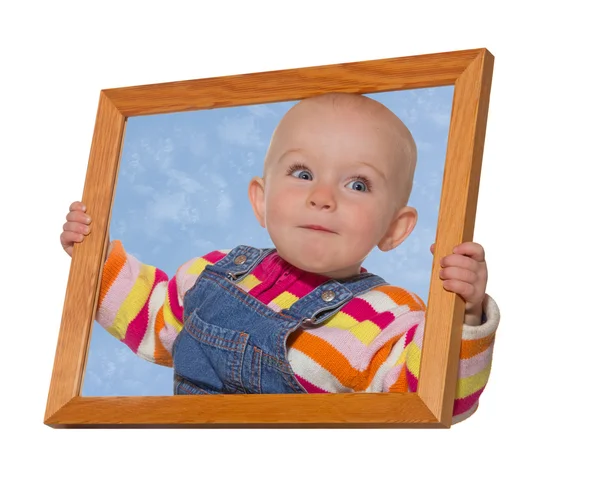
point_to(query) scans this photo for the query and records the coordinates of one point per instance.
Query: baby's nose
(322, 205)
(322, 198)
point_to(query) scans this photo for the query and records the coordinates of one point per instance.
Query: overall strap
(331, 296)
(239, 262)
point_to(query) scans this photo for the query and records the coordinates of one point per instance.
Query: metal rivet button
(328, 296)
(239, 260)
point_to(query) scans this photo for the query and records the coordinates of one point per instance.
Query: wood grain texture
(281, 410)
(456, 222)
(84, 276)
(372, 76)
(431, 406)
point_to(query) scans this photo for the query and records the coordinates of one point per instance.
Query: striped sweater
(372, 345)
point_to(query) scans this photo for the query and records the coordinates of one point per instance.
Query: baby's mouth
(316, 227)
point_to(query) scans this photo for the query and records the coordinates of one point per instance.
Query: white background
(537, 220)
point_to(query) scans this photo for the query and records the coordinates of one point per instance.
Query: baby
(303, 317)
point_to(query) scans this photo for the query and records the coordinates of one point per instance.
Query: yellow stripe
(470, 385)
(285, 300)
(365, 332)
(342, 321)
(134, 302)
(168, 315)
(198, 266)
(413, 358)
(249, 282)
(402, 358)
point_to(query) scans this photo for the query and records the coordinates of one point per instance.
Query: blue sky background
(182, 192)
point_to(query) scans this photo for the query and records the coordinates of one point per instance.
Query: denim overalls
(232, 343)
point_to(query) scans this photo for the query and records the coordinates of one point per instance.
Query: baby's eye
(302, 174)
(359, 186)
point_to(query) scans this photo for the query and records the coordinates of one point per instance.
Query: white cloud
(197, 144)
(262, 110)
(180, 180)
(143, 189)
(241, 131)
(423, 146)
(422, 106)
(131, 167)
(118, 228)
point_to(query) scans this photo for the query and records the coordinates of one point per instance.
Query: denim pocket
(210, 355)
(254, 380)
(184, 387)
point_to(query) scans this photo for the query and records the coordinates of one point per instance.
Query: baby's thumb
(432, 248)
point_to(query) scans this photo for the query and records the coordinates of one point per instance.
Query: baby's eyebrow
(377, 170)
(289, 151)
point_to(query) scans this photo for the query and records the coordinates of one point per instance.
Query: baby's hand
(465, 273)
(76, 228)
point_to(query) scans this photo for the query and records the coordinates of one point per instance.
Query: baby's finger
(76, 227)
(471, 249)
(461, 261)
(77, 206)
(458, 274)
(463, 289)
(67, 238)
(78, 217)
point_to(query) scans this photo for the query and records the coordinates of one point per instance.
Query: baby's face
(332, 187)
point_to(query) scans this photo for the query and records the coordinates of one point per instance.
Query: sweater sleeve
(474, 365)
(141, 307)
(374, 344)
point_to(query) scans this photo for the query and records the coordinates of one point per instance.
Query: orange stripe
(336, 363)
(473, 347)
(112, 267)
(401, 297)
(400, 385)
(161, 355)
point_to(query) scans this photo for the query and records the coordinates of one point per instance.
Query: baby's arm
(138, 303)
(475, 361)
(141, 306)
(474, 364)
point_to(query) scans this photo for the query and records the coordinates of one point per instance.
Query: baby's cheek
(277, 214)
(364, 221)
(275, 206)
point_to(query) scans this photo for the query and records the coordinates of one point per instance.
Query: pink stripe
(269, 265)
(139, 325)
(357, 354)
(361, 310)
(117, 293)
(214, 257)
(277, 276)
(176, 308)
(266, 293)
(167, 337)
(391, 377)
(466, 403)
(310, 388)
(472, 366)
(305, 283)
(266, 272)
(410, 335)
(412, 381)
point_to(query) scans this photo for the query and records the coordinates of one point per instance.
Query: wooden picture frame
(470, 71)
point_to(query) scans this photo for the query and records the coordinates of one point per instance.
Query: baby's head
(341, 162)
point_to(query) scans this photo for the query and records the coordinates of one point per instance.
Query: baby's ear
(256, 193)
(401, 226)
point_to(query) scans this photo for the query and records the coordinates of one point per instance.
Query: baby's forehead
(311, 111)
